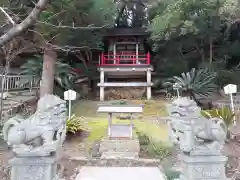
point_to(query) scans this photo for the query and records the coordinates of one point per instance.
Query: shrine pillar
(149, 88)
(101, 87)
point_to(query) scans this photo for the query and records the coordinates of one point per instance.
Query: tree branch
(30, 20)
(8, 16)
(90, 27)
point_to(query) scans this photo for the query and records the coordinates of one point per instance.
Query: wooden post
(101, 87)
(114, 51)
(137, 53)
(131, 125)
(149, 93)
(109, 124)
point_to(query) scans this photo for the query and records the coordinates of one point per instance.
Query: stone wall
(117, 162)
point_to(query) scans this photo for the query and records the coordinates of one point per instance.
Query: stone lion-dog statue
(42, 133)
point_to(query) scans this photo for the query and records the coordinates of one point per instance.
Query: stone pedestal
(201, 167)
(119, 148)
(33, 168)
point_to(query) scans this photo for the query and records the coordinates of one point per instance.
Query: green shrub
(120, 102)
(159, 150)
(75, 124)
(171, 174)
(195, 83)
(224, 113)
(143, 139)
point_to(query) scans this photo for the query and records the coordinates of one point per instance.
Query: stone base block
(203, 167)
(37, 168)
(119, 148)
(119, 155)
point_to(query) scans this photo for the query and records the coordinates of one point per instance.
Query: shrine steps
(117, 162)
(119, 148)
(119, 155)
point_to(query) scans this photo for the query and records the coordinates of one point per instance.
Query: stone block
(119, 148)
(203, 167)
(33, 168)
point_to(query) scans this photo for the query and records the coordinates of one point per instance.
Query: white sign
(230, 89)
(70, 95)
(176, 87)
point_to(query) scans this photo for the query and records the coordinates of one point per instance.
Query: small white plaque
(70, 95)
(230, 89)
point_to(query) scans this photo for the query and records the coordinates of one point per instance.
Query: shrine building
(126, 57)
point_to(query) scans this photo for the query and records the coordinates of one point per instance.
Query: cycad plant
(224, 113)
(196, 83)
(64, 74)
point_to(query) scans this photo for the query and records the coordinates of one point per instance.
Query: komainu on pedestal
(37, 139)
(201, 141)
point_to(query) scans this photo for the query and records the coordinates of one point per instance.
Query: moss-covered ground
(146, 123)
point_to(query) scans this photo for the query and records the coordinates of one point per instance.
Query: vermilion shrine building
(126, 57)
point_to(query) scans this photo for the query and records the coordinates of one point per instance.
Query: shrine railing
(18, 82)
(124, 59)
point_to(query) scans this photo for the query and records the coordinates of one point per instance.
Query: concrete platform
(120, 173)
(119, 148)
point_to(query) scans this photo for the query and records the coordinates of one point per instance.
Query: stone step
(126, 84)
(119, 145)
(119, 155)
(124, 162)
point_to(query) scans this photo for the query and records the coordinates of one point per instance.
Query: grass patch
(157, 133)
(152, 108)
(152, 148)
(87, 108)
(97, 124)
(98, 128)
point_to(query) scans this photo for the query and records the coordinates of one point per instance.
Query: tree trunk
(210, 49)
(47, 82)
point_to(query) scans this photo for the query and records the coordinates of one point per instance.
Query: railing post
(134, 58)
(118, 59)
(31, 84)
(102, 59)
(7, 80)
(148, 58)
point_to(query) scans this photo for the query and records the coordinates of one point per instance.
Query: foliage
(64, 75)
(187, 33)
(143, 138)
(153, 148)
(195, 83)
(75, 13)
(171, 174)
(120, 102)
(75, 124)
(224, 76)
(181, 17)
(224, 113)
(158, 149)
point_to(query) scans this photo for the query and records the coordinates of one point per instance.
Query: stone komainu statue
(193, 132)
(42, 133)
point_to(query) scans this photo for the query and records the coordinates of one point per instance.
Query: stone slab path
(120, 173)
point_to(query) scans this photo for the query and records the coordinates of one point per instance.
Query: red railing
(124, 59)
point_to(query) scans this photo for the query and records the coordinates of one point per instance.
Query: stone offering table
(120, 130)
(120, 142)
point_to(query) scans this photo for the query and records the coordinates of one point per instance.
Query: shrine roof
(126, 32)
